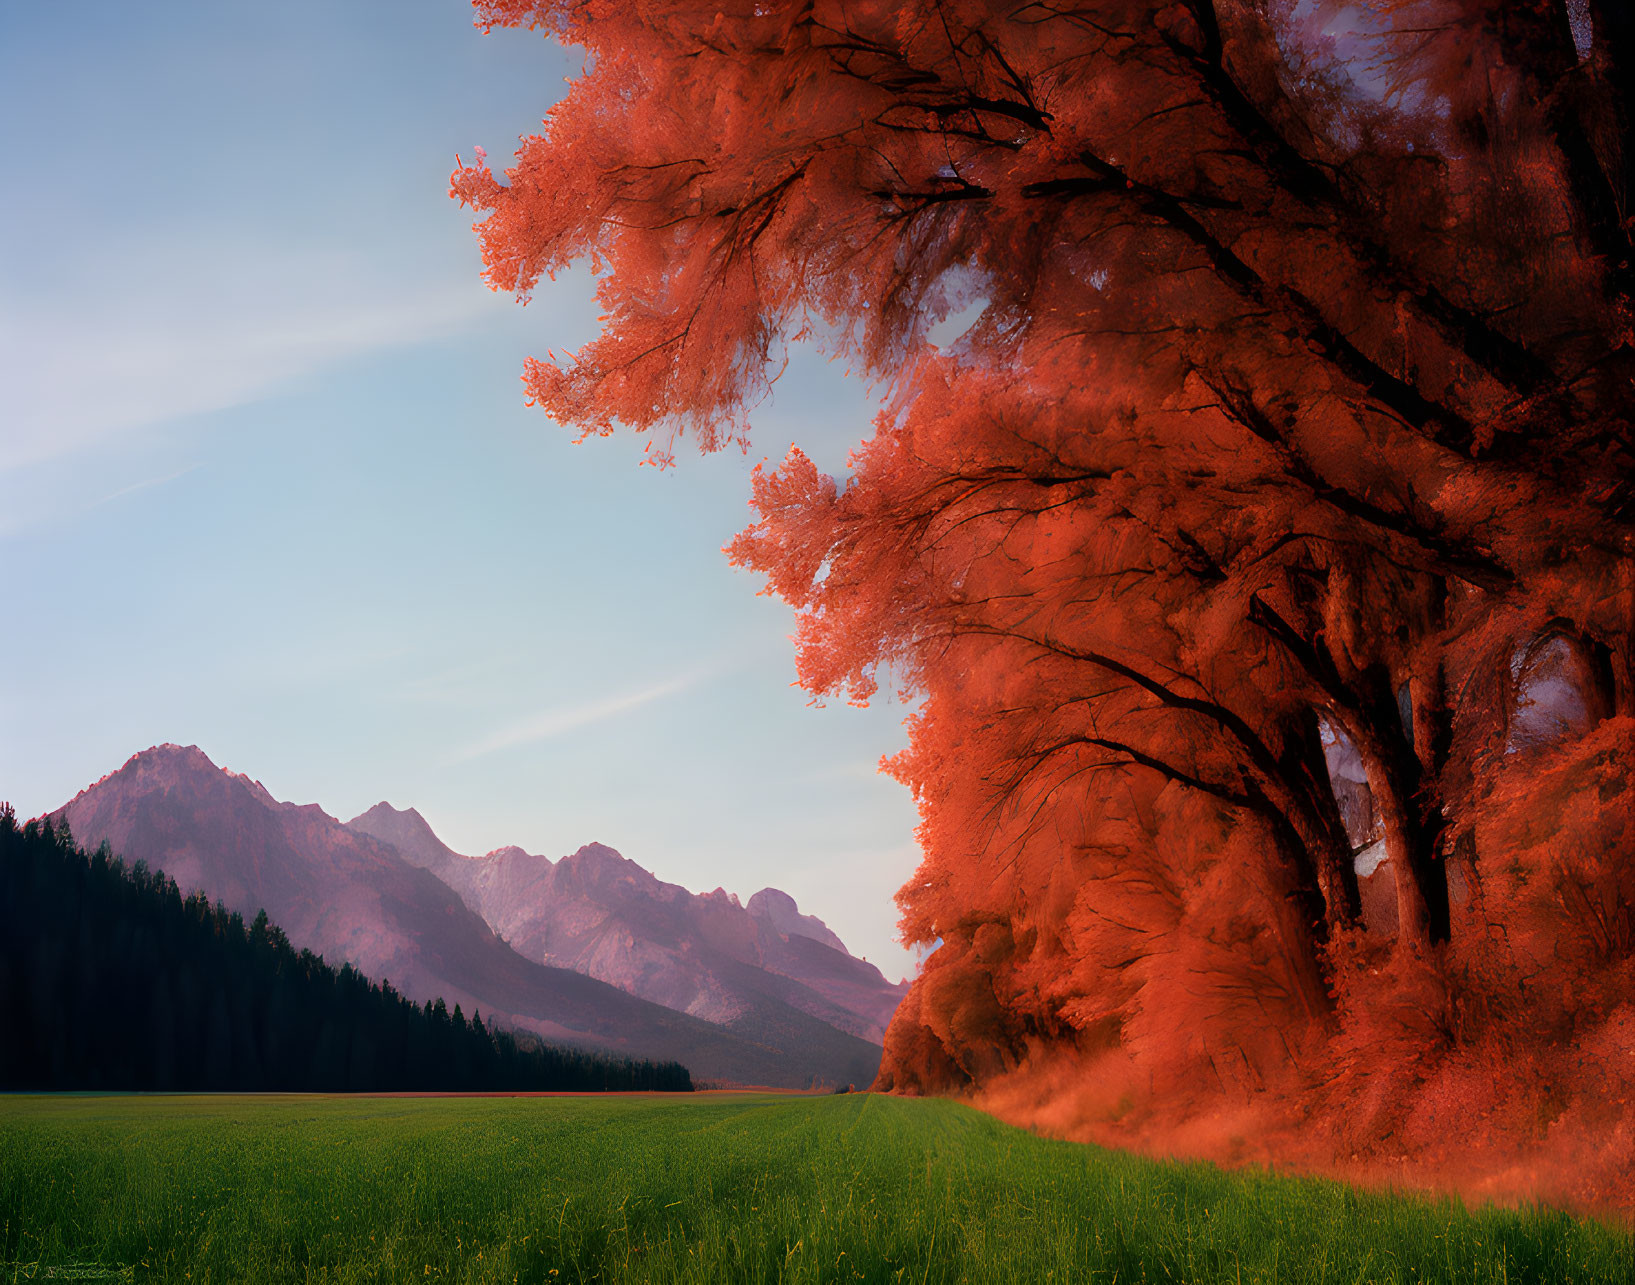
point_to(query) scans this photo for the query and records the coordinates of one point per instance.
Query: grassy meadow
(699, 1189)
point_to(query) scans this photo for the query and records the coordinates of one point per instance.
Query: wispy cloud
(30, 507)
(559, 720)
(177, 334)
(143, 485)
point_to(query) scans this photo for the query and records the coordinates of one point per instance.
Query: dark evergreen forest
(111, 979)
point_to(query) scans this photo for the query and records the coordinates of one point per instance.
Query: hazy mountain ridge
(351, 896)
(602, 914)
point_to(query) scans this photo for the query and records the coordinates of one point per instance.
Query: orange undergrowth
(1500, 1065)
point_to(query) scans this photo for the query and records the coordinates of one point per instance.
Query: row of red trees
(1296, 427)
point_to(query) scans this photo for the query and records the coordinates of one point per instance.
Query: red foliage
(1278, 505)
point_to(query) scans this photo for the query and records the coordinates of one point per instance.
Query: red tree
(1276, 507)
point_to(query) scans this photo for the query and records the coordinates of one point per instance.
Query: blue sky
(268, 485)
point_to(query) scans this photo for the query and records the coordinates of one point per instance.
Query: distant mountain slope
(705, 954)
(352, 897)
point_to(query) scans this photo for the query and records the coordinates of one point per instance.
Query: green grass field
(706, 1189)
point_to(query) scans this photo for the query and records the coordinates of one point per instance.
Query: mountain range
(601, 914)
(590, 950)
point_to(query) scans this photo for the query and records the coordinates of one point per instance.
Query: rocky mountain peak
(384, 811)
(167, 760)
(779, 910)
(408, 832)
(510, 852)
(600, 854)
(596, 863)
(162, 768)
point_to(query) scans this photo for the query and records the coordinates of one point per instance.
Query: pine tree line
(111, 979)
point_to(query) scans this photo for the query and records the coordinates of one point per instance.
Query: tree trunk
(1299, 919)
(1621, 651)
(1413, 909)
(1318, 850)
(1432, 727)
(1331, 847)
(1412, 820)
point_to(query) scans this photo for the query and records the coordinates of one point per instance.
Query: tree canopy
(1262, 552)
